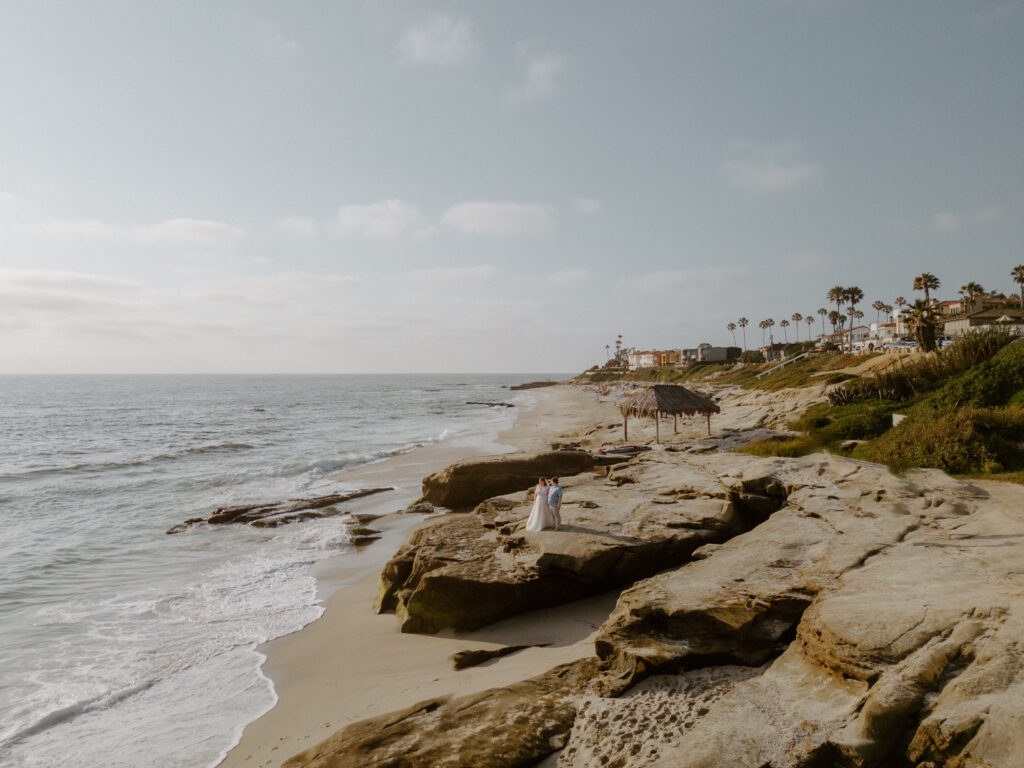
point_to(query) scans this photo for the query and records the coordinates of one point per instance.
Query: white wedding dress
(540, 518)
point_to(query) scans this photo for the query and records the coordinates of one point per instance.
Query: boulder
(467, 659)
(470, 481)
(511, 727)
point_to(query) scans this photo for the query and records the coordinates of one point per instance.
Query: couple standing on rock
(546, 506)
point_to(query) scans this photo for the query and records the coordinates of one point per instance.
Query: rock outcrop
(464, 571)
(895, 605)
(534, 385)
(510, 727)
(872, 621)
(469, 482)
(273, 514)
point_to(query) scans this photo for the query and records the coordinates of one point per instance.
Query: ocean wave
(316, 469)
(71, 711)
(105, 466)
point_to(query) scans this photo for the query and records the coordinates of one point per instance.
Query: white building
(641, 360)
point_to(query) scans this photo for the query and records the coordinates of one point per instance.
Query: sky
(417, 186)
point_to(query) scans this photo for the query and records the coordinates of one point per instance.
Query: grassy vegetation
(820, 369)
(802, 373)
(964, 409)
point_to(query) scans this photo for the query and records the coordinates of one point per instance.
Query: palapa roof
(668, 398)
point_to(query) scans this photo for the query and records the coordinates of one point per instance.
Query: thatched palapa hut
(665, 399)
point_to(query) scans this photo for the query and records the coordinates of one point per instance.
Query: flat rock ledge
(880, 617)
(467, 570)
(498, 728)
(468, 482)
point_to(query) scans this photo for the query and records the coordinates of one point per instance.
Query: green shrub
(859, 421)
(926, 371)
(991, 383)
(949, 441)
(789, 447)
(752, 356)
(856, 423)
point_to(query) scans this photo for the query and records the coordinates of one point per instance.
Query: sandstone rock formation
(464, 571)
(871, 621)
(896, 605)
(498, 728)
(469, 482)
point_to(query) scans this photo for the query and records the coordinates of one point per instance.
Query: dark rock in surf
(280, 512)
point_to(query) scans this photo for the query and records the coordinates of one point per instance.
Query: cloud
(587, 206)
(499, 218)
(59, 281)
(945, 223)
(541, 71)
(388, 220)
(272, 38)
(571, 276)
(182, 231)
(708, 280)
(951, 222)
(192, 231)
(298, 283)
(299, 226)
(457, 275)
(438, 40)
(769, 176)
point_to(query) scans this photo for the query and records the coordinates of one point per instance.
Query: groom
(555, 502)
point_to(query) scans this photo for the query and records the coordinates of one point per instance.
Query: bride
(540, 518)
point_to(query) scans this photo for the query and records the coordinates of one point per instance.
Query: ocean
(123, 646)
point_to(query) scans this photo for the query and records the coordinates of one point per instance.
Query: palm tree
(926, 282)
(922, 317)
(742, 323)
(970, 292)
(901, 302)
(854, 295)
(1018, 278)
(784, 324)
(810, 321)
(763, 325)
(731, 327)
(824, 313)
(607, 352)
(796, 318)
(771, 336)
(837, 295)
(834, 317)
(878, 306)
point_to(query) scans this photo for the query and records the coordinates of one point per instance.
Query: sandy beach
(351, 663)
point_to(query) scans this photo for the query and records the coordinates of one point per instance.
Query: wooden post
(675, 423)
(709, 425)
(657, 426)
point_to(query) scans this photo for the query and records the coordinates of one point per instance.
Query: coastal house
(852, 337)
(986, 318)
(705, 353)
(653, 358)
(884, 333)
(709, 354)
